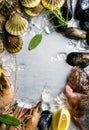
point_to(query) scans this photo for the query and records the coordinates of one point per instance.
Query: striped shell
(2, 23)
(9, 7)
(16, 25)
(30, 3)
(53, 4)
(34, 11)
(1, 46)
(14, 43)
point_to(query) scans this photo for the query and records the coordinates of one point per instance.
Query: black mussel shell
(84, 25)
(45, 120)
(81, 6)
(86, 15)
(75, 33)
(87, 38)
(58, 25)
(78, 59)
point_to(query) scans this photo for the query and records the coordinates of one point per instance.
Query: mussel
(75, 33)
(60, 17)
(78, 59)
(81, 6)
(84, 24)
(87, 38)
(45, 120)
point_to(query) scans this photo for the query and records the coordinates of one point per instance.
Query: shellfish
(16, 25)
(2, 23)
(45, 120)
(1, 46)
(14, 43)
(30, 3)
(6, 89)
(78, 58)
(53, 4)
(34, 11)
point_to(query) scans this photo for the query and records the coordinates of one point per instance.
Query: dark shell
(78, 59)
(86, 15)
(81, 6)
(87, 38)
(84, 25)
(75, 33)
(45, 120)
(58, 25)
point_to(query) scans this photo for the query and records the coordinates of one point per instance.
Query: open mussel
(45, 120)
(81, 6)
(16, 25)
(53, 4)
(75, 33)
(78, 59)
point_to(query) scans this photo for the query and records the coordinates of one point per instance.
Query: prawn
(6, 89)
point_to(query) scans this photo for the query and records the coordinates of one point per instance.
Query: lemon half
(61, 119)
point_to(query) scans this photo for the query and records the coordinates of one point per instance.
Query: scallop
(30, 3)
(16, 25)
(2, 23)
(14, 43)
(34, 11)
(1, 46)
(53, 4)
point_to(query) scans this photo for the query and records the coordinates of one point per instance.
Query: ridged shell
(2, 22)
(14, 44)
(1, 46)
(30, 3)
(16, 25)
(34, 11)
(2, 3)
(53, 4)
(9, 7)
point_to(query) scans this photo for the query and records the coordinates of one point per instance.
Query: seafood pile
(62, 16)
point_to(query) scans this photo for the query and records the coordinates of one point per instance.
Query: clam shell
(16, 25)
(34, 11)
(30, 3)
(53, 4)
(14, 43)
(1, 46)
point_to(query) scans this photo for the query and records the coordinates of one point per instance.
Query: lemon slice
(61, 119)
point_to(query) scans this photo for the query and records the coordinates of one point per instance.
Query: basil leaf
(9, 120)
(35, 41)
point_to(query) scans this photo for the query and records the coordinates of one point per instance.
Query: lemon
(61, 119)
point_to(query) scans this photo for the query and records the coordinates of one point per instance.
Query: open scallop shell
(14, 43)
(30, 3)
(53, 4)
(16, 25)
(34, 11)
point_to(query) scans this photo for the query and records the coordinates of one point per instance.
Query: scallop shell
(1, 46)
(34, 11)
(2, 22)
(16, 25)
(2, 3)
(9, 7)
(14, 43)
(53, 4)
(30, 3)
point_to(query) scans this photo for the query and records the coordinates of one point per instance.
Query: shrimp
(6, 89)
(33, 121)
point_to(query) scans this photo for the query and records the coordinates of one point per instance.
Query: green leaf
(35, 41)
(9, 120)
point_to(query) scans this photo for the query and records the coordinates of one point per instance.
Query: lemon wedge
(61, 119)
